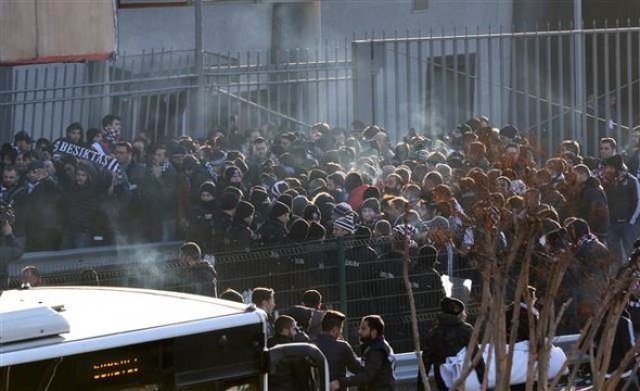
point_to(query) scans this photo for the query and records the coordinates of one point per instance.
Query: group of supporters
(238, 190)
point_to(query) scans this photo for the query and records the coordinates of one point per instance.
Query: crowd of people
(238, 190)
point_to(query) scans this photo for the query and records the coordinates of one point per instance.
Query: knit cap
(230, 201)
(346, 223)
(278, 188)
(371, 203)
(278, 209)
(244, 210)
(342, 209)
(299, 230)
(208, 187)
(316, 231)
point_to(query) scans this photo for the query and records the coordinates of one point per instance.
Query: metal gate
(552, 84)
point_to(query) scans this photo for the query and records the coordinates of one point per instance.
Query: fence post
(342, 281)
(198, 123)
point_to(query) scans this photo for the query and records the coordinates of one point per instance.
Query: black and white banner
(68, 148)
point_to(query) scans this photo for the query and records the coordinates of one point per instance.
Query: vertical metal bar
(326, 83)
(229, 91)
(421, 90)
(443, 58)
(396, 87)
(348, 93)
(25, 98)
(607, 86)
(513, 109)
(56, 99)
(64, 96)
(337, 86)
(501, 78)
(596, 98)
(550, 129)
(239, 90)
(618, 116)
(526, 100)
(306, 96)
(409, 86)
(468, 101)
(572, 86)
(34, 107)
(561, 107)
(629, 78)
(73, 94)
(480, 109)
(385, 82)
(432, 85)
(258, 91)
(456, 102)
(490, 71)
(268, 67)
(537, 85)
(45, 88)
(317, 114)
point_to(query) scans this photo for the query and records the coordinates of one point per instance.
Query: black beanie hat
(259, 196)
(286, 199)
(278, 209)
(230, 201)
(316, 231)
(311, 212)
(208, 187)
(299, 230)
(451, 306)
(244, 210)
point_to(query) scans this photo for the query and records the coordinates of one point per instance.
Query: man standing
(131, 175)
(377, 373)
(111, 127)
(591, 203)
(338, 352)
(42, 206)
(160, 197)
(199, 275)
(10, 249)
(263, 298)
(624, 206)
(308, 315)
(289, 374)
(450, 334)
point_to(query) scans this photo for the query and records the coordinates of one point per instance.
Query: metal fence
(349, 279)
(553, 83)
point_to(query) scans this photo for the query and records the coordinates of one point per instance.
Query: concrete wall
(247, 25)
(229, 26)
(342, 18)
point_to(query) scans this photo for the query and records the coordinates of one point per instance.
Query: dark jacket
(592, 206)
(593, 261)
(623, 341)
(239, 236)
(10, 250)
(446, 339)
(377, 373)
(43, 217)
(201, 225)
(522, 333)
(272, 232)
(289, 374)
(81, 209)
(340, 356)
(622, 196)
(160, 194)
(198, 279)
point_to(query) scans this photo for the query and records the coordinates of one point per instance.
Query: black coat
(239, 236)
(622, 196)
(290, 374)
(81, 209)
(160, 194)
(446, 339)
(592, 206)
(377, 373)
(10, 250)
(340, 356)
(272, 232)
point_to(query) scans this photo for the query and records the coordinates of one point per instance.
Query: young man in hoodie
(274, 230)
